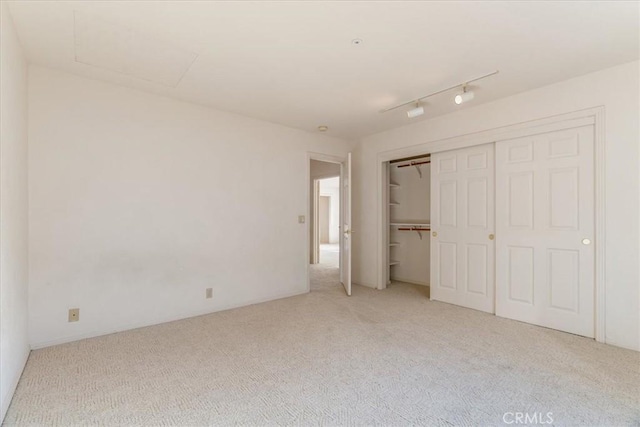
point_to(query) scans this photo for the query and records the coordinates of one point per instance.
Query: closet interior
(408, 214)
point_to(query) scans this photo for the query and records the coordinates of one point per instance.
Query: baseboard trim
(364, 284)
(413, 282)
(174, 318)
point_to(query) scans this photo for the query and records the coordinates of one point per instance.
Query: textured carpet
(377, 358)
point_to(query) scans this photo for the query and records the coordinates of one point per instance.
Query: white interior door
(345, 241)
(462, 225)
(545, 230)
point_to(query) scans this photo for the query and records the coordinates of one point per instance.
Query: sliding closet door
(462, 224)
(545, 229)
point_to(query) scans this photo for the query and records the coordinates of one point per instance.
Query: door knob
(492, 236)
(586, 241)
(434, 234)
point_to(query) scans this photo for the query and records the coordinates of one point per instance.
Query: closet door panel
(462, 227)
(445, 162)
(447, 267)
(477, 279)
(520, 274)
(564, 284)
(564, 198)
(520, 200)
(545, 227)
(448, 203)
(477, 203)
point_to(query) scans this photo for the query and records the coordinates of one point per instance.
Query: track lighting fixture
(415, 112)
(463, 96)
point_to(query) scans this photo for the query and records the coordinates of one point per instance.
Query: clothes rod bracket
(417, 165)
(419, 173)
(418, 230)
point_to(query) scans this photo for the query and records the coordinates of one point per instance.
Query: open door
(345, 241)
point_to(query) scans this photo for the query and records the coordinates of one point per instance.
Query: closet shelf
(394, 263)
(410, 224)
(394, 204)
(394, 243)
(394, 185)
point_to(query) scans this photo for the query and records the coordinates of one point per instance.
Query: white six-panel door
(462, 224)
(545, 230)
(345, 248)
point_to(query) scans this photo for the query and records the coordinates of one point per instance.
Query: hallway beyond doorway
(330, 254)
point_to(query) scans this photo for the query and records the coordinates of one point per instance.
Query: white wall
(138, 203)
(617, 90)
(14, 344)
(331, 187)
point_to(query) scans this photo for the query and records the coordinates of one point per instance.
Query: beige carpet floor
(377, 358)
(329, 254)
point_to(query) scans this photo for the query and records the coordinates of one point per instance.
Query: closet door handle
(434, 234)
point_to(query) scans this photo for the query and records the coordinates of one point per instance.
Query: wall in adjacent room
(331, 188)
(138, 203)
(14, 342)
(617, 89)
(318, 170)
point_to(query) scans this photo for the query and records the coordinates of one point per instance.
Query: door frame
(311, 194)
(591, 116)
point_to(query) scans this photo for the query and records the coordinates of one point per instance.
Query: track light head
(463, 96)
(459, 99)
(415, 112)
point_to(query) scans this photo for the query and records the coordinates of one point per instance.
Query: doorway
(328, 237)
(329, 231)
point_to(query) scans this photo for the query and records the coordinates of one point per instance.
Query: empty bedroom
(307, 213)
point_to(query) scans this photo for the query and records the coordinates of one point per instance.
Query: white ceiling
(293, 62)
(329, 184)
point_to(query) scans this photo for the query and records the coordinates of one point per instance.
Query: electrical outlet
(74, 314)
(209, 293)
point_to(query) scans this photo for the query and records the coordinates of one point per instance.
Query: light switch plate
(209, 293)
(301, 219)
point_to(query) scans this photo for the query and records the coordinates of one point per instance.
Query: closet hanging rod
(418, 230)
(406, 159)
(410, 224)
(414, 164)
